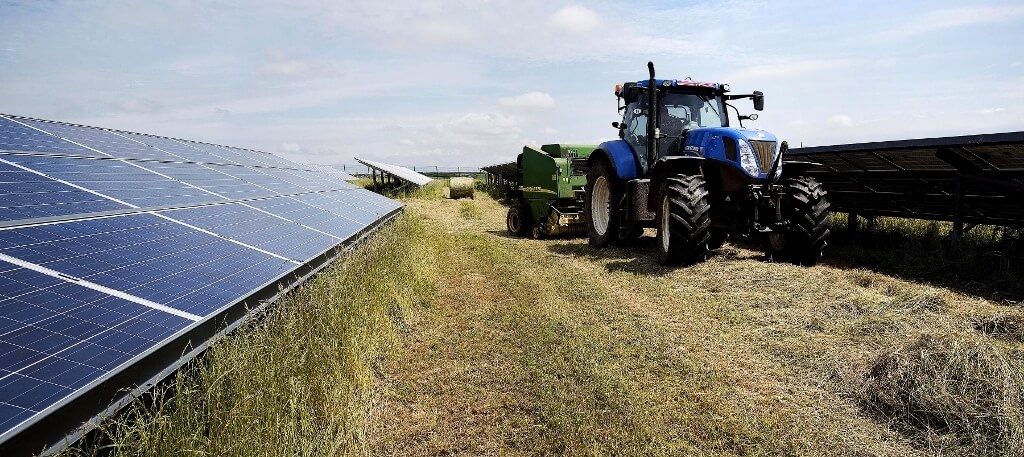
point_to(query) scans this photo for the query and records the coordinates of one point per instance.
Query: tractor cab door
(635, 131)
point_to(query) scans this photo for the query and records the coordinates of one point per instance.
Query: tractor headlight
(747, 160)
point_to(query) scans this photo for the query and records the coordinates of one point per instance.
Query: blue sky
(443, 82)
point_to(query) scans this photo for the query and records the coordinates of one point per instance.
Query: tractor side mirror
(758, 100)
(617, 125)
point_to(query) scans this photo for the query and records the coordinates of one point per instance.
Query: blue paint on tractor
(708, 142)
(621, 157)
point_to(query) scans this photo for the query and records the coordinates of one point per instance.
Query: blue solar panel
(318, 181)
(340, 207)
(57, 336)
(105, 141)
(210, 177)
(271, 159)
(27, 195)
(226, 155)
(140, 245)
(265, 177)
(242, 222)
(118, 179)
(178, 148)
(17, 137)
(309, 216)
(149, 257)
(366, 201)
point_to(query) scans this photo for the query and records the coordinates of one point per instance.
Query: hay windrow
(1006, 326)
(951, 390)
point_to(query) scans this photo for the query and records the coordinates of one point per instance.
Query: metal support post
(958, 214)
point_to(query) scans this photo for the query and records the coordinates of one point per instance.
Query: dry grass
(954, 390)
(468, 342)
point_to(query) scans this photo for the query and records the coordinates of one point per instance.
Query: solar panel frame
(399, 172)
(977, 179)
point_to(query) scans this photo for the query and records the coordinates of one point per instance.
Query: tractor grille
(765, 151)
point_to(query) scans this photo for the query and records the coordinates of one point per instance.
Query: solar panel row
(402, 173)
(113, 244)
(973, 179)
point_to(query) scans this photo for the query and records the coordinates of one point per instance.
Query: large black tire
(602, 217)
(684, 220)
(805, 205)
(517, 221)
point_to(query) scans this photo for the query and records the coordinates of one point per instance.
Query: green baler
(549, 200)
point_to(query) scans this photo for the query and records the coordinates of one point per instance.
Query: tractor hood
(750, 150)
(698, 137)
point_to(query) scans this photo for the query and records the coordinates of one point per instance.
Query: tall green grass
(300, 380)
(988, 262)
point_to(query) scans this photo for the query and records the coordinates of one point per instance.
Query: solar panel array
(114, 244)
(973, 179)
(399, 172)
(506, 171)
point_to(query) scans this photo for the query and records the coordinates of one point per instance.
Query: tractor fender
(792, 169)
(620, 155)
(668, 166)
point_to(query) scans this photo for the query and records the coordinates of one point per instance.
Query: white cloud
(281, 65)
(788, 69)
(530, 101)
(575, 19)
(291, 148)
(136, 105)
(472, 127)
(956, 17)
(987, 111)
(548, 131)
(840, 120)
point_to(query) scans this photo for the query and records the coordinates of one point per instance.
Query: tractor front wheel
(601, 205)
(517, 220)
(684, 220)
(806, 206)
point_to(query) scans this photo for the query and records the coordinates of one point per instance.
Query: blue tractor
(681, 168)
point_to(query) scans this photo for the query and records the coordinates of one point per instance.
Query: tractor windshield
(681, 112)
(690, 111)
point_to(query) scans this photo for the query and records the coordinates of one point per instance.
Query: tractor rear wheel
(601, 205)
(517, 220)
(805, 205)
(684, 220)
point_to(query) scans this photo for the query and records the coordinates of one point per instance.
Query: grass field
(444, 336)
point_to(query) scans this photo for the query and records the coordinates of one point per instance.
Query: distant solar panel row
(114, 244)
(506, 171)
(399, 172)
(973, 179)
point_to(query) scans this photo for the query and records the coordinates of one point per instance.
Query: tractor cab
(682, 106)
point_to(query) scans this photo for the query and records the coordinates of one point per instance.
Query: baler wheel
(537, 232)
(517, 220)
(806, 206)
(684, 220)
